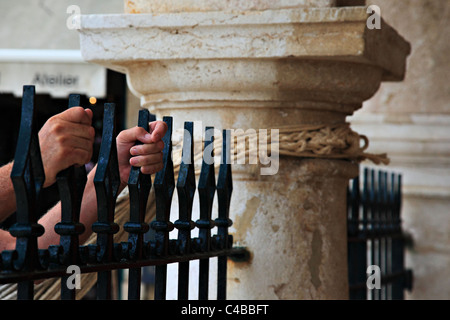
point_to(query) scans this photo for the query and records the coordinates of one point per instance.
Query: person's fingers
(80, 156)
(89, 113)
(73, 142)
(133, 134)
(158, 129)
(77, 115)
(147, 148)
(63, 154)
(147, 160)
(74, 151)
(68, 130)
(151, 169)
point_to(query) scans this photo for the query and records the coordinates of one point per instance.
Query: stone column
(256, 65)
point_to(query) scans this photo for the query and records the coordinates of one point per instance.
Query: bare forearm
(88, 216)
(88, 207)
(7, 195)
(7, 241)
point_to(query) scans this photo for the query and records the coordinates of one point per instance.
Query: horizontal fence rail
(28, 263)
(375, 238)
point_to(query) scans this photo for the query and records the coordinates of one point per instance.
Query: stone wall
(411, 121)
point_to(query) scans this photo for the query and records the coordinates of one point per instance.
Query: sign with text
(57, 79)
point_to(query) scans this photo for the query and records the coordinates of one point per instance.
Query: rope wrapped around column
(337, 141)
(332, 142)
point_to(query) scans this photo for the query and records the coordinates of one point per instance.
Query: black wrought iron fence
(28, 263)
(376, 242)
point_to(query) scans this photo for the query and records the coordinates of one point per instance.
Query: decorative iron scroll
(27, 263)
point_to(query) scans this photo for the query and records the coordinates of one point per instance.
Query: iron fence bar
(353, 202)
(357, 250)
(366, 229)
(28, 177)
(384, 239)
(391, 227)
(186, 190)
(206, 190)
(397, 252)
(139, 186)
(365, 199)
(387, 238)
(107, 183)
(164, 186)
(374, 227)
(224, 191)
(71, 183)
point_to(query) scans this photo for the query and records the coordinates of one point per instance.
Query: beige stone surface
(426, 87)
(411, 121)
(280, 62)
(293, 225)
(275, 88)
(262, 69)
(326, 34)
(427, 221)
(165, 6)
